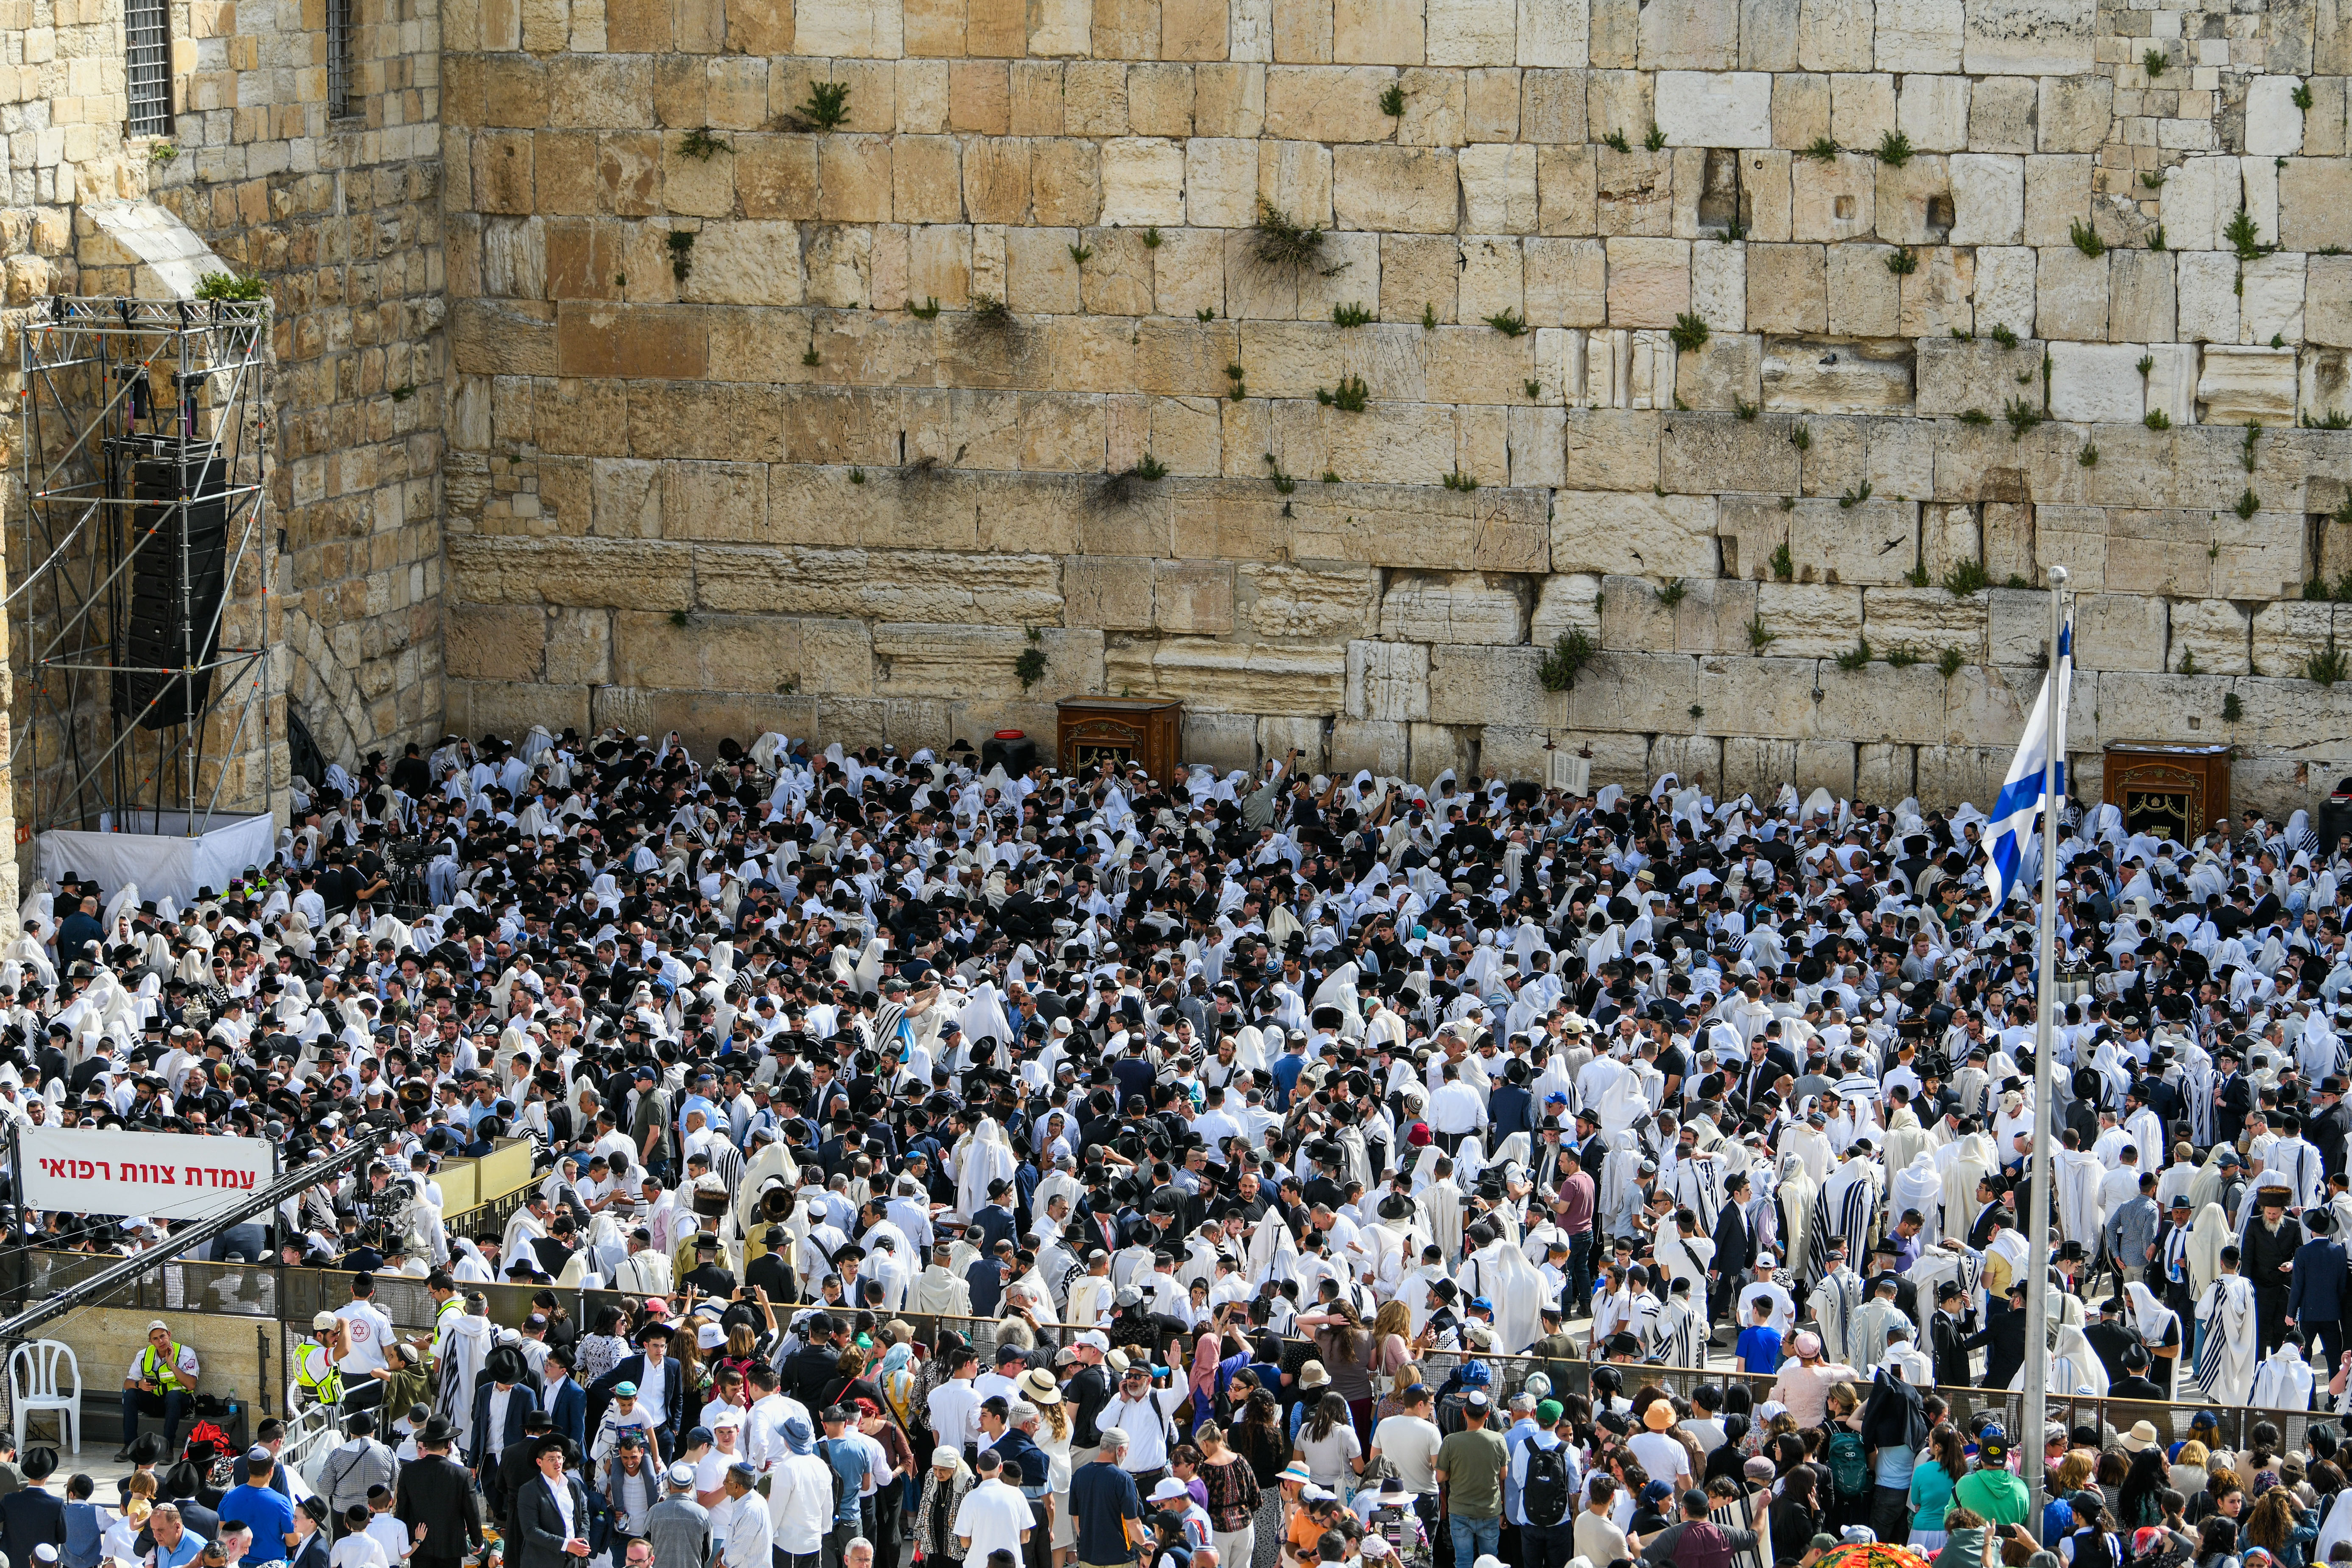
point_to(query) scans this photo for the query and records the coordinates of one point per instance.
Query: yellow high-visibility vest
(316, 1373)
(165, 1370)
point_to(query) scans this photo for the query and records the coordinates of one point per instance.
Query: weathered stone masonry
(780, 485)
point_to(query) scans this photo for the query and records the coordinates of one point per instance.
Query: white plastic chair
(34, 1387)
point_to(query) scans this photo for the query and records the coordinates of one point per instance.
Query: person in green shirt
(1990, 1490)
(1469, 1464)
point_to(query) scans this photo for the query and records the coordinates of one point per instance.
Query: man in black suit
(550, 1514)
(1735, 1250)
(501, 1411)
(772, 1269)
(33, 1515)
(434, 1491)
(2004, 1340)
(516, 1463)
(659, 1381)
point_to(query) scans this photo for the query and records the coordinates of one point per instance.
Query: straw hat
(1039, 1387)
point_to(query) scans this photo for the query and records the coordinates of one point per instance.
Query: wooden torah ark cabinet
(2168, 791)
(1146, 731)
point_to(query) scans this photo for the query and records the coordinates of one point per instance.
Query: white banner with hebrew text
(153, 1175)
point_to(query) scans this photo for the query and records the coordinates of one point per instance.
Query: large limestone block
(1472, 32)
(917, 659)
(495, 642)
(2211, 632)
(2030, 37)
(1956, 376)
(2005, 289)
(1856, 376)
(1875, 541)
(1498, 190)
(1865, 299)
(2071, 301)
(2327, 312)
(1361, 745)
(1143, 181)
(1395, 189)
(1388, 681)
(1633, 191)
(2274, 123)
(1933, 111)
(858, 29)
(1377, 32)
(2119, 631)
(740, 653)
(1479, 685)
(2199, 199)
(1834, 200)
(1707, 454)
(2242, 385)
(1649, 281)
(2272, 305)
(1454, 607)
(1555, 33)
(1988, 199)
(1232, 677)
(578, 572)
(1568, 600)
(1635, 618)
(1807, 620)
(2164, 550)
(2286, 634)
(1622, 691)
(1706, 109)
(1919, 35)
(2096, 383)
(1925, 621)
(1281, 602)
(1654, 536)
(1788, 288)
(2140, 297)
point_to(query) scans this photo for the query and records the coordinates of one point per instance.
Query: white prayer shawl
(2150, 1318)
(1273, 1251)
(1846, 1209)
(1412, 1290)
(2073, 1365)
(2079, 1214)
(981, 1156)
(1677, 1336)
(1441, 1208)
(1918, 1186)
(1866, 1335)
(465, 1348)
(2208, 1234)
(2339, 1527)
(2225, 1360)
(1797, 1193)
(1510, 1283)
(1834, 1301)
(2284, 1382)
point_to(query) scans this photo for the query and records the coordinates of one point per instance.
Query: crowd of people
(1039, 1164)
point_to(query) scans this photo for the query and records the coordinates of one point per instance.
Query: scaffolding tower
(144, 437)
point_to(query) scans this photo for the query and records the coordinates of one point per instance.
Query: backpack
(1849, 1462)
(1546, 1495)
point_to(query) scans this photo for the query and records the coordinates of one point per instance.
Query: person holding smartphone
(1146, 1399)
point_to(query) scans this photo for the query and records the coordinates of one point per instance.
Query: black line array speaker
(175, 580)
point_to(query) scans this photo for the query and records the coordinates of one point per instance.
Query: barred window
(342, 97)
(147, 41)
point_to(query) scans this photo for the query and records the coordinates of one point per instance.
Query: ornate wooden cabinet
(2168, 790)
(1145, 731)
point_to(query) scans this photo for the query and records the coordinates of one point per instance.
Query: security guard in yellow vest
(161, 1382)
(318, 1380)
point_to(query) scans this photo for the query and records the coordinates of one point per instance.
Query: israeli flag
(2011, 847)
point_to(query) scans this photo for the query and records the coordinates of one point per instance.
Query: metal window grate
(341, 98)
(147, 41)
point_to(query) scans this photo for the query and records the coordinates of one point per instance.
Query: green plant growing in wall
(1902, 262)
(2002, 334)
(2156, 62)
(1082, 254)
(1510, 323)
(1570, 652)
(1151, 240)
(700, 144)
(2302, 96)
(1656, 138)
(1974, 416)
(1204, 314)
(1759, 636)
(2187, 665)
(2246, 453)
(1849, 500)
(1428, 317)
(2155, 238)
(1150, 468)
(403, 392)
(1856, 657)
(232, 288)
(2232, 709)
(2329, 667)
(2241, 237)
(1801, 439)
(1458, 480)
(1279, 242)
(1965, 577)
(1895, 148)
(1672, 592)
(2152, 178)
(2085, 239)
(2089, 456)
(1822, 150)
(1918, 576)
(1902, 656)
(1393, 102)
(162, 153)
(928, 311)
(827, 107)
(681, 254)
(2333, 419)
(1283, 482)
(1615, 142)
(2248, 504)
(857, 476)
(1534, 390)
(2157, 419)
(988, 310)
(1949, 662)
(2022, 416)
(1744, 410)
(811, 358)
(1349, 397)
(1689, 332)
(1354, 315)
(1784, 568)
(1031, 664)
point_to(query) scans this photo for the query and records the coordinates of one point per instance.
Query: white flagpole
(2028, 1443)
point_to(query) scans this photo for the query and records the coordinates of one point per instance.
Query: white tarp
(162, 858)
(155, 1175)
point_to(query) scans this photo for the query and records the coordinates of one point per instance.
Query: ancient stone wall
(340, 213)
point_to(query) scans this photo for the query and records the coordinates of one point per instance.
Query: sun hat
(1039, 1387)
(1312, 1375)
(1658, 1417)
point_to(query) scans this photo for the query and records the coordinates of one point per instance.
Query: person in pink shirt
(1805, 1382)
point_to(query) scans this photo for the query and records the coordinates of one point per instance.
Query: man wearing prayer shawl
(1677, 1337)
(2226, 1362)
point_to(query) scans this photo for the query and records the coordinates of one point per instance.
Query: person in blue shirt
(1287, 1069)
(849, 1462)
(1759, 1342)
(260, 1508)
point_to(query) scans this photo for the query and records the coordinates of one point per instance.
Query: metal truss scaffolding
(144, 440)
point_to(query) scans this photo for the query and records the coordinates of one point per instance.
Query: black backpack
(1547, 1496)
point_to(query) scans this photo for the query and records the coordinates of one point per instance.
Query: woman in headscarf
(944, 1485)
